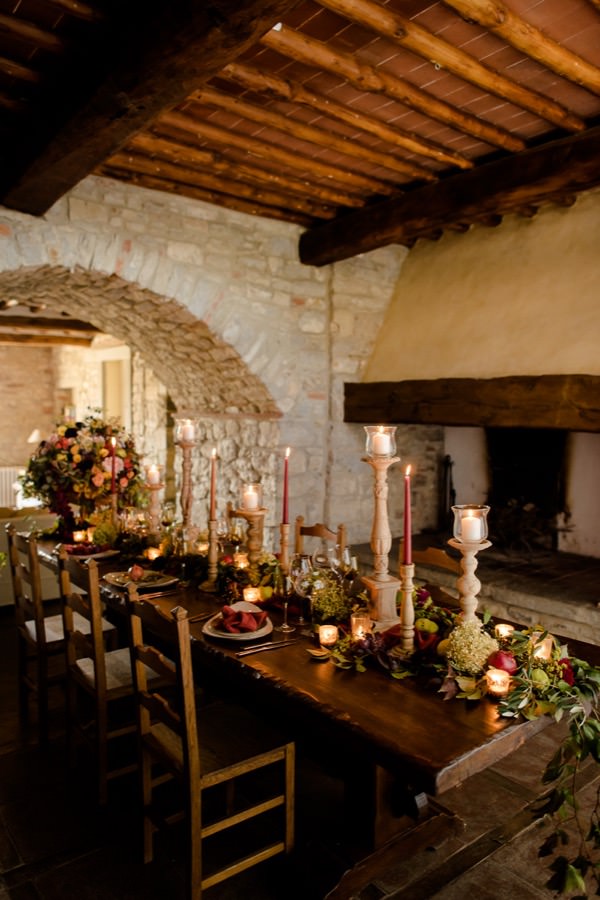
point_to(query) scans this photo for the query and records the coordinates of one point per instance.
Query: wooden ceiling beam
(31, 34)
(314, 167)
(130, 163)
(43, 339)
(439, 52)
(529, 178)
(79, 10)
(162, 52)
(497, 17)
(310, 134)
(364, 77)
(182, 154)
(294, 92)
(28, 323)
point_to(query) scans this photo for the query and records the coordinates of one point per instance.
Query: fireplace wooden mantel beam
(570, 402)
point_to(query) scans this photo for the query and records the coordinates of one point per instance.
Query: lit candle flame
(407, 470)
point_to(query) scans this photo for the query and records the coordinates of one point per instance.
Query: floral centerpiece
(77, 469)
(456, 658)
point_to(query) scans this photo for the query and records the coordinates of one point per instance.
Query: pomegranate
(135, 572)
(503, 659)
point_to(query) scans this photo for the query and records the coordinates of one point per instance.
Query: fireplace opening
(527, 486)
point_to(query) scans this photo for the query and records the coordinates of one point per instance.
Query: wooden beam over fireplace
(571, 402)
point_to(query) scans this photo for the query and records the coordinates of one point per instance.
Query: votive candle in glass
(252, 594)
(153, 474)
(542, 647)
(328, 635)
(498, 682)
(360, 624)
(152, 553)
(252, 496)
(185, 431)
(503, 630)
(381, 441)
(470, 523)
(240, 560)
(79, 537)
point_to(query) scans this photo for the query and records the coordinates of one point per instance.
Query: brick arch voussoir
(202, 373)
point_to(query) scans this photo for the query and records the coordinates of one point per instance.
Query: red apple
(503, 659)
(135, 572)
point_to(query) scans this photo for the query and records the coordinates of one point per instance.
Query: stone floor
(56, 845)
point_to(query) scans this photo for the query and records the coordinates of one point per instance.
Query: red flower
(568, 674)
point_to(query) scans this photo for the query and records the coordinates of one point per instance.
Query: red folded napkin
(240, 620)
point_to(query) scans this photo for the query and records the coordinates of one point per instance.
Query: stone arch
(202, 373)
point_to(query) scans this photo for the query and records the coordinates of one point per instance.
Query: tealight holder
(328, 635)
(504, 631)
(79, 537)
(470, 523)
(251, 496)
(542, 646)
(498, 682)
(252, 595)
(360, 625)
(381, 441)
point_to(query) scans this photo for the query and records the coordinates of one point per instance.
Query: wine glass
(301, 568)
(283, 591)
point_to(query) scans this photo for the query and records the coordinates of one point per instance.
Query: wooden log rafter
(497, 17)
(181, 154)
(365, 77)
(292, 91)
(419, 40)
(309, 133)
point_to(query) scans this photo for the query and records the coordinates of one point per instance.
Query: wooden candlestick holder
(213, 558)
(468, 584)
(284, 547)
(186, 481)
(154, 510)
(382, 587)
(254, 534)
(407, 608)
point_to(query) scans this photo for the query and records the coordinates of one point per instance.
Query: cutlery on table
(260, 648)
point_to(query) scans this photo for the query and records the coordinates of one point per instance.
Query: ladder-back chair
(95, 674)
(40, 636)
(215, 753)
(323, 532)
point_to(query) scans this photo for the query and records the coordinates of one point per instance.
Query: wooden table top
(404, 726)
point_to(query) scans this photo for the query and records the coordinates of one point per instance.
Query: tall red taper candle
(113, 483)
(213, 485)
(285, 518)
(407, 556)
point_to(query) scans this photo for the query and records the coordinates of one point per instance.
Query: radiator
(8, 484)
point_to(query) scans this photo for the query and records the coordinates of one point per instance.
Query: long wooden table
(395, 743)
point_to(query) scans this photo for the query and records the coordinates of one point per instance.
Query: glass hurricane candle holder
(381, 441)
(360, 624)
(154, 474)
(186, 431)
(470, 523)
(251, 497)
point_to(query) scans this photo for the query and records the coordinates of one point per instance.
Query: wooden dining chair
(319, 531)
(95, 674)
(214, 754)
(435, 558)
(40, 654)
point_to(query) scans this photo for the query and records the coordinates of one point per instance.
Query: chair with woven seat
(320, 531)
(212, 754)
(40, 636)
(96, 673)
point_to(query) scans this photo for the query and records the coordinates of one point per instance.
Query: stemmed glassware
(300, 569)
(283, 591)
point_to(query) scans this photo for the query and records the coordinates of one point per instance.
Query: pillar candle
(188, 432)
(470, 528)
(250, 498)
(285, 518)
(407, 556)
(153, 475)
(381, 443)
(213, 485)
(113, 471)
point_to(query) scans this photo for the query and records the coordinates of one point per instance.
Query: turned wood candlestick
(468, 584)
(382, 587)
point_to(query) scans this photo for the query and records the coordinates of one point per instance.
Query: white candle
(498, 682)
(542, 649)
(250, 498)
(504, 630)
(382, 444)
(188, 432)
(252, 594)
(153, 475)
(470, 528)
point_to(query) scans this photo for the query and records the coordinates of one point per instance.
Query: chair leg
(22, 674)
(146, 784)
(42, 698)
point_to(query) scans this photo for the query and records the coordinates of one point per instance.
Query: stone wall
(240, 334)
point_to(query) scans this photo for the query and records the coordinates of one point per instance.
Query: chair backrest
(173, 705)
(323, 532)
(87, 603)
(26, 580)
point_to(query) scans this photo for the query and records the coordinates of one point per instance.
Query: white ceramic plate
(214, 628)
(102, 554)
(151, 581)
